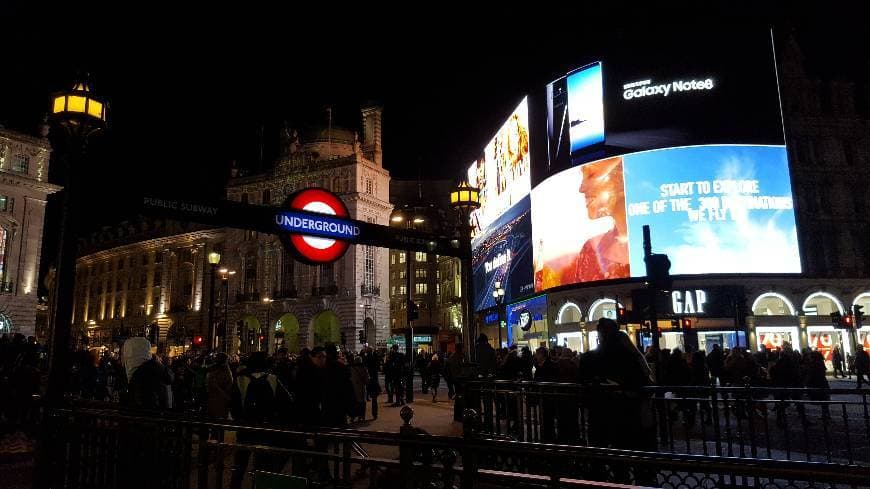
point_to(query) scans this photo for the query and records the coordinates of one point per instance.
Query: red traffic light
(687, 323)
(197, 340)
(847, 320)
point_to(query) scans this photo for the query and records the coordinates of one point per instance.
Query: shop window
(602, 308)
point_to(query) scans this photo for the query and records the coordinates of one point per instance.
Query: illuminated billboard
(503, 172)
(711, 208)
(503, 253)
(687, 138)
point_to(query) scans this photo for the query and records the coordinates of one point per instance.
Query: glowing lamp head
(214, 258)
(80, 103)
(465, 198)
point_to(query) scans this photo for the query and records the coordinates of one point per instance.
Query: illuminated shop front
(569, 327)
(527, 323)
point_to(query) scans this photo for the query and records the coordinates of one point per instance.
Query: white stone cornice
(157, 244)
(26, 182)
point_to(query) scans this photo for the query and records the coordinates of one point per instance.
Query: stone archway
(288, 327)
(325, 328)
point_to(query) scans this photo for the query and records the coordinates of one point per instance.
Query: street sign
(315, 238)
(274, 220)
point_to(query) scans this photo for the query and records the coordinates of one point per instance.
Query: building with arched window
(156, 273)
(24, 191)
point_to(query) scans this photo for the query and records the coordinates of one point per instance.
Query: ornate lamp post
(268, 331)
(464, 200)
(214, 259)
(79, 113)
(498, 295)
(225, 280)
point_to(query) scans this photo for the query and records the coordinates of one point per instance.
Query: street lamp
(268, 303)
(80, 113)
(225, 276)
(214, 259)
(498, 295)
(465, 199)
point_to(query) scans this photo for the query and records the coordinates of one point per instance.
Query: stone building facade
(24, 191)
(277, 300)
(263, 297)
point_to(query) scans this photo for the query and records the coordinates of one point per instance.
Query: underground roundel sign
(320, 233)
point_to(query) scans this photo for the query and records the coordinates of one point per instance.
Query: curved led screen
(686, 138)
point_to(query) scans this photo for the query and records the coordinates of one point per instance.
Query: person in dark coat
(433, 372)
(716, 363)
(837, 362)
(372, 363)
(486, 358)
(338, 394)
(815, 378)
(453, 371)
(310, 383)
(149, 379)
(546, 371)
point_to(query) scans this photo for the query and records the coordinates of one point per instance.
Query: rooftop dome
(313, 134)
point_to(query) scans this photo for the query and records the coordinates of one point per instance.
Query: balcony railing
(248, 297)
(287, 294)
(369, 289)
(325, 290)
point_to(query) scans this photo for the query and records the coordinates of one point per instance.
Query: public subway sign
(316, 227)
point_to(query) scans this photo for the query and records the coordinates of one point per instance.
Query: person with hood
(434, 375)
(149, 380)
(359, 377)
(219, 387)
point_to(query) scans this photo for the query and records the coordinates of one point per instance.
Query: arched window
(772, 304)
(602, 308)
(822, 304)
(863, 299)
(569, 313)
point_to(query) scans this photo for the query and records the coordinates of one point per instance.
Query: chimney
(371, 123)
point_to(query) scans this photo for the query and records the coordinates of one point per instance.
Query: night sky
(191, 90)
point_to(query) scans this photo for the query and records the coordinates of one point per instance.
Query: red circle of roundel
(318, 255)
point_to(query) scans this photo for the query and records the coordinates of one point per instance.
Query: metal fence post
(470, 427)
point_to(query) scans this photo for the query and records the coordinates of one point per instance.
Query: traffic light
(621, 317)
(658, 271)
(197, 340)
(859, 315)
(836, 319)
(687, 324)
(362, 336)
(413, 312)
(847, 322)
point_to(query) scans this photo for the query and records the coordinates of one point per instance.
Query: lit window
(420, 273)
(420, 256)
(421, 288)
(402, 257)
(392, 259)
(402, 290)
(20, 163)
(6, 203)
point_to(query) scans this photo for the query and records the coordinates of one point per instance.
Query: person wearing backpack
(258, 399)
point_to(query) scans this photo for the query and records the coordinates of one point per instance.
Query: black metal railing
(821, 425)
(369, 289)
(248, 297)
(286, 294)
(111, 449)
(324, 290)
